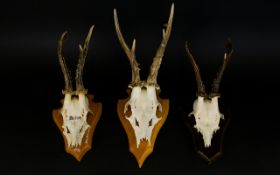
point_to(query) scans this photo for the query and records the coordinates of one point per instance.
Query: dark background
(31, 82)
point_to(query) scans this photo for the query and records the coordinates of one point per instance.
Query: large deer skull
(143, 113)
(143, 102)
(206, 107)
(75, 104)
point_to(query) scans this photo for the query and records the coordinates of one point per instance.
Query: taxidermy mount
(78, 116)
(143, 113)
(206, 112)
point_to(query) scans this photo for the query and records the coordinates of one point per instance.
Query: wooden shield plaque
(92, 119)
(145, 148)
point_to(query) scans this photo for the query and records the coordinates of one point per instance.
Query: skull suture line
(143, 102)
(75, 105)
(206, 107)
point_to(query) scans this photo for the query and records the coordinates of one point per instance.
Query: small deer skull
(206, 107)
(75, 104)
(74, 113)
(143, 102)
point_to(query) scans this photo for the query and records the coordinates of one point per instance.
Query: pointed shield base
(92, 119)
(213, 152)
(145, 148)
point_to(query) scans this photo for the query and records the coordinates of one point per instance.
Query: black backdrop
(31, 82)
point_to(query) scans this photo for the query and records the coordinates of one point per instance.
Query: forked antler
(66, 73)
(129, 52)
(152, 78)
(217, 80)
(200, 85)
(216, 83)
(79, 71)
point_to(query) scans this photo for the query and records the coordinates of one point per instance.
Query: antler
(152, 78)
(65, 71)
(129, 52)
(200, 85)
(82, 56)
(217, 80)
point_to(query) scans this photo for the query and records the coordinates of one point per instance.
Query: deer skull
(206, 107)
(207, 117)
(75, 104)
(143, 102)
(74, 113)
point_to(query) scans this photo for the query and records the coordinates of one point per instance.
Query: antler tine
(152, 78)
(217, 80)
(65, 71)
(129, 52)
(82, 56)
(200, 85)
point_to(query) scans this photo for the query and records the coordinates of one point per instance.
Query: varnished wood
(144, 149)
(92, 120)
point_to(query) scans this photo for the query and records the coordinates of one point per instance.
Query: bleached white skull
(74, 112)
(75, 106)
(144, 105)
(143, 100)
(207, 117)
(206, 107)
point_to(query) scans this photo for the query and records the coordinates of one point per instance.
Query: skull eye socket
(136, 122)
(71, 117)
(151, 122)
